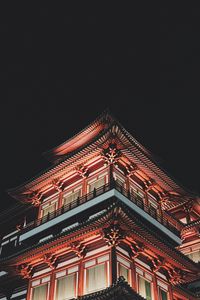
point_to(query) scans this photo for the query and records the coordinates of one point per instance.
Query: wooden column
(170, 293)
(60, 198)
(133, 273)
(155, 288)
(81, 279)
(28, 297)
(146, 202)
(52, 286)
(84, 186)
(113, 265)
(111, 178)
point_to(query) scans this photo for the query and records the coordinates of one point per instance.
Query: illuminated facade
(103, 222)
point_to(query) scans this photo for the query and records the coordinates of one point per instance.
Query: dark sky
(60, 67)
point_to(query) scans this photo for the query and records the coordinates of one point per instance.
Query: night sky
(61, 67)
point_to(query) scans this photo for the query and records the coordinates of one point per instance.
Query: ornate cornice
(25, 271)
(113, 235)
(136, 249)
(34, 198)
(111, 154)
(149, 184)
(79, 248)
(50, 259)
(82, 171)
(131, 169)
(57, 184)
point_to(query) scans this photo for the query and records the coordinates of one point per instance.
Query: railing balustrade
(164, 218)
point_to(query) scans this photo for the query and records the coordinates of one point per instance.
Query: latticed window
(65, 287)
(145, 288)
(95, 278)
(123, 271)
(195, 256)
(163, 294)
(96, 184)
(40, 292)
(49, 209)
(71, 197)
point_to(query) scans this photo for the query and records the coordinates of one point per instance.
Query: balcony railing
(164, 218)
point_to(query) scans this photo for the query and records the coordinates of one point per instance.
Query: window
(124, 267)
(163, 294)
(40, 292)
(136, 193)
(95, 278)
(96, 184)
(123, 271)
(49, 209)
(195, 256)
(119, 182)
(65, 287)
(144, 288)
(70, 197)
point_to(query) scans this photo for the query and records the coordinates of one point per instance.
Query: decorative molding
(57, 184)
(136, 249)
(111, 154)
(157, 263)
(131, 169)
(34, 198)
(50, 260)
(25, 271)
(176, 276)
(79, 249)
(82, 171)
(187, 207)
(149, 184)
(113, 235)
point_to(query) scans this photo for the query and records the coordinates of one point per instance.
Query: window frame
(71, 191)
(149, 281)
(76, 273)
(96, 177)
(106, 263)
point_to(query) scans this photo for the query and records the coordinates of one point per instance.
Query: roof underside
(119, 291)
(90, 141)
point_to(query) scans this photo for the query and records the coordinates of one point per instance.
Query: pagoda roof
(132, 223)
(88, 143)
(121, 290)
(80, 139)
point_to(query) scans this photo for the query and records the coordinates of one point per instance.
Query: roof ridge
(104, 115)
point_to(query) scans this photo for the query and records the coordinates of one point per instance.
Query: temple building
(104, 221)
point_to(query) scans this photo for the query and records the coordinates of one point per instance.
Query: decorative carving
(131, 169)
(19, 227)
(50, 260)
(188, 207)
(57, 184)
(25, 271)
(113, 235)
(111, 154)
(157, 263)
(165, 199)
(149, 184)
(136, 249)
(169, 199)
(82, 171)
(79, 249)
(176, 276)
(34, 198)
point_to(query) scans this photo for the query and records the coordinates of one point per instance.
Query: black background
(62, 66)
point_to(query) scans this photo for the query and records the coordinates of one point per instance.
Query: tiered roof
(88, 143)
(118, 291)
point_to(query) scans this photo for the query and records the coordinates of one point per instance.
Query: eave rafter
(111, 132)
(119, 228)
